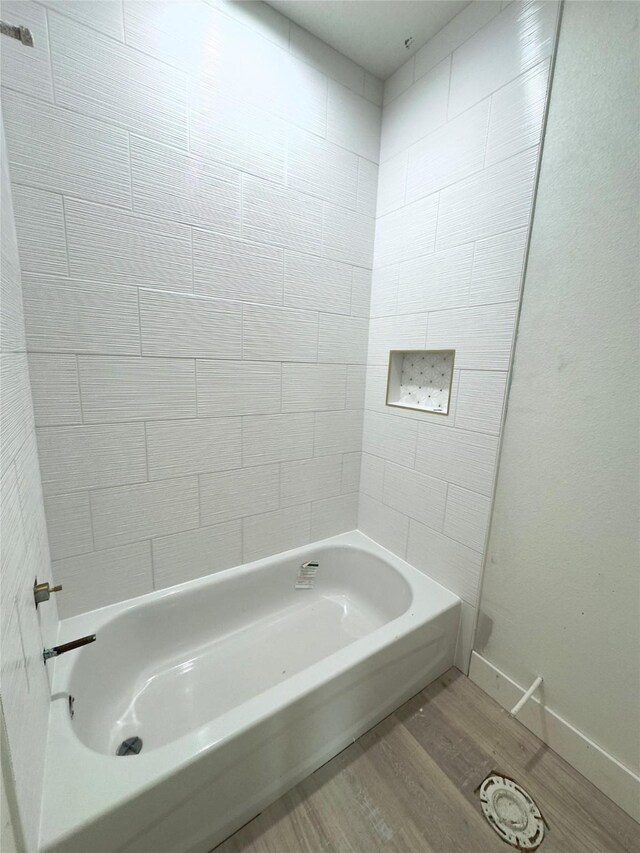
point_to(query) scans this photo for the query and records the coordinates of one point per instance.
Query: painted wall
(195, 193)
(561, 593)
(459, 149)
(25, 552)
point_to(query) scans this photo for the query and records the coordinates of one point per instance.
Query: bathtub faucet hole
(130, 746)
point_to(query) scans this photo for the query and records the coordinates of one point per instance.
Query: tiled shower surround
(195, 191)
(460, 143)
(195, 205)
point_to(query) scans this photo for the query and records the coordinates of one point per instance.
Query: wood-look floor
(409, 786)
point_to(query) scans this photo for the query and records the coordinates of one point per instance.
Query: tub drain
(511, 812)
(130, 746)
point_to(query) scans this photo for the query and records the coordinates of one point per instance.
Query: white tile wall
(195, 553)
(459, 150)
(232, 268)
(197, 224)
(134, 513)
(25, 549)
(189, 326)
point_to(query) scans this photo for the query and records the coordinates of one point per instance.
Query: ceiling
(372, 32)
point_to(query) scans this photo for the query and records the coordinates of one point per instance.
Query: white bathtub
(239, 685)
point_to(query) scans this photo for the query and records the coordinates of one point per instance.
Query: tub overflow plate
(511, 812)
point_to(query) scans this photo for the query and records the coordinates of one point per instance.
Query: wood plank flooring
(408, 786)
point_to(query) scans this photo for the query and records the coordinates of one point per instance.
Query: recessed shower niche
(421, 380)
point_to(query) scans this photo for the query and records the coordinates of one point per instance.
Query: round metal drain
(130, 746)
(511, 812)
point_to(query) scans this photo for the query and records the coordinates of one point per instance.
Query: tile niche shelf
(421, 380)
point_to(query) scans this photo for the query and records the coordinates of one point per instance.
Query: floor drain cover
(511, 812)
(130, 746)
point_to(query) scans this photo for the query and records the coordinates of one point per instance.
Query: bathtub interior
(163, 668)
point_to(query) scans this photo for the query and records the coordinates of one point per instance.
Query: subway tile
(281, 217)
(399, 81)
(375, 392)
(307, 48)
(276, 438)
(319, 168)
(464, 458)
(103, 577)
(96, 76)
(481, 397)
(279, 334)
(396, 333)
(102, 15)
(495, 200)
(351, 466)
(392, 183)
(12, 337)
(356, 386)
(449, 154)
(517, 39)
(203, 445)
(316, 283)
(407, 232)
(416, 112)
(372, 476)
(27, 70)
(383, 524)
(193, 42)
(391, 438)
(313, 387)
(237, 388)
(414, 494)
(467, 517)
(435, 281)
(189, 326)
(196, 553)
(15, 405)
(64, 315)
(360, 293)
(342, 339)
(132, 513)
(384, 291)
(55, 389)
(449, 563)
(367, 187)
(32, 506)
(41, 233)
(482, 336)
(517, 113)
(69, 524)
(347, 236)
(259, 17)
(455, 33)
(235, 132)
(109, 245)
(338, 432)
(310, 480)
(75, 458)
(332, 516)
(353, 122)
(231, 268)
(234, 494)
(60, 151)
(273, 532)
(168, 183)
(136, 389)
(497, 268)
(373, 89)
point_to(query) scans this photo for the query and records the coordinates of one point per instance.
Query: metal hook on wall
(22, 34)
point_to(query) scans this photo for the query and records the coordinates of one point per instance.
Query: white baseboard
(614, 779)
